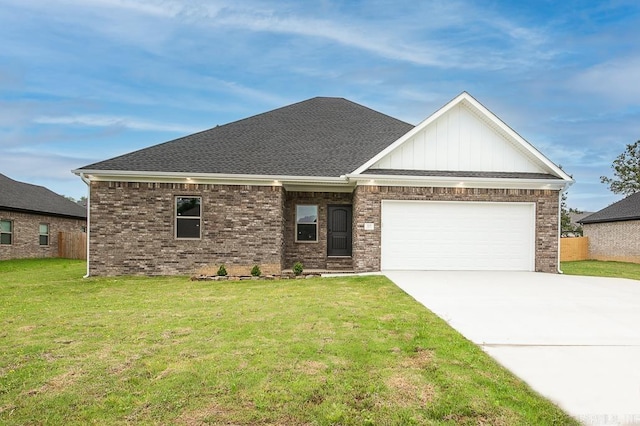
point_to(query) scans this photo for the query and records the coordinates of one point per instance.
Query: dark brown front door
(339, 231)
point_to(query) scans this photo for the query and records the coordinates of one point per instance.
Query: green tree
(566, 228)
(626, 171)
(82, 201)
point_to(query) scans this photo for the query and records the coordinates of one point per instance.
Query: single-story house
(334, 185)
(31, 217)
(614, 232)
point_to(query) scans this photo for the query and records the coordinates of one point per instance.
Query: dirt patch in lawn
(407, 390)
(57, 383)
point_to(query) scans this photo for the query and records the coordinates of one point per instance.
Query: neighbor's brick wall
(132, 228)
(618, 241)
(26, 234)
(367, 208)
(313, 255)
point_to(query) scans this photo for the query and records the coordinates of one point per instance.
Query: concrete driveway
(575, 340)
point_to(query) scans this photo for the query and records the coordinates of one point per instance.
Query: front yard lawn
(331, 351)
(599, 268)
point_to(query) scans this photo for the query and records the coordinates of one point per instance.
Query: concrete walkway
(575, 340)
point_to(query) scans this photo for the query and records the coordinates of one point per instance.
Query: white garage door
(433, 235)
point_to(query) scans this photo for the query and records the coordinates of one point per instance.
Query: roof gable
(463, 136)
(323, 137)
(25, 197)
(625, 209)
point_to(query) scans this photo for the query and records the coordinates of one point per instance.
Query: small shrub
(255, 271)
(222, 271)
(297, 268)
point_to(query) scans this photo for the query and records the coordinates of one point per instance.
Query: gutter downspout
(560, 226)
(88, 182)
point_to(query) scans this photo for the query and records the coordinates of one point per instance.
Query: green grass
(599, 268)
(339, 351)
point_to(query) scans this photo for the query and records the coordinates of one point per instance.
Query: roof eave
(43, 213)
(204, 178)
(302, 183)
(459, 182)
(617, 219)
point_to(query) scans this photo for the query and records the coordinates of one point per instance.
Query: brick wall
(367, 208)
(132, 228)
(312, 254)
(26, 234)
(614, 240)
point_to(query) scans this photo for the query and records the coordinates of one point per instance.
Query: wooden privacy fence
(72, 245)
(574, 248)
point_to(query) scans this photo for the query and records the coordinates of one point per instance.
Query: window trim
(295, 227)
(40, 235)
(10, 233)
(176, 218)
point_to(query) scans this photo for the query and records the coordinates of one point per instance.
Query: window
(44, 234)
(6, 232)
(306, 223)
(188, 217)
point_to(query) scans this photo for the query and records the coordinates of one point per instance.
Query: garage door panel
(431, 235)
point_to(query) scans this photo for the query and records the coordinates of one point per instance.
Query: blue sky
(86, 80)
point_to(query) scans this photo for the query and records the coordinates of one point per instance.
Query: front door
(339, 231)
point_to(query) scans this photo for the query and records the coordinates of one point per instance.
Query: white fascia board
(458, 182)
(318, 187)
(210, 178)
(433, 117)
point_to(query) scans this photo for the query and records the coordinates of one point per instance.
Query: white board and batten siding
(460, 140)
(461, 235)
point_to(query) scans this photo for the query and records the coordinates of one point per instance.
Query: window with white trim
(6, 232)
(188, 217)
(43, 231)
(306, 223)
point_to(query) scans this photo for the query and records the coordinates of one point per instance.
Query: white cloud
(442, 36)
(615, 80)
(113, 121)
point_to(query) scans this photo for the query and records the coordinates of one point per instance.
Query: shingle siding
(619, 241)
(26, 233)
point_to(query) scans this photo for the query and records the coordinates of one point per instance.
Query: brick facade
(618, 241)
(313, 255)
(133, 228)
(26, 234)
(367, 201)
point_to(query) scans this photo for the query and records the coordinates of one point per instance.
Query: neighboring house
(614, 232)
(574, 223)
(575, 218)
(332, 184)
(31, 217)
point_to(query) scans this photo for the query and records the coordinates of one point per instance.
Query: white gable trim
(477, 107)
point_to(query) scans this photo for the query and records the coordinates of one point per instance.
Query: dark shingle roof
(625, 209)
(25, 197)
(460, 174)
(318, 137)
